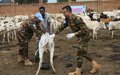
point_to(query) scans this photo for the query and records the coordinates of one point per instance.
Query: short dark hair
(68, 8)
(42, 8)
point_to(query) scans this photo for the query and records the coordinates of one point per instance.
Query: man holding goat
(81, 31)
(25, 34)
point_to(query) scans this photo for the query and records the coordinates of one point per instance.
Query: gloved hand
(70, 35)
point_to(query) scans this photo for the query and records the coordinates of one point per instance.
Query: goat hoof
(45, 67)
(54, 72)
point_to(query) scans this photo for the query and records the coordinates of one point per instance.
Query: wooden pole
(98, 6)
(69, 2)
(41, 3)
(101, 6)
(13, 7)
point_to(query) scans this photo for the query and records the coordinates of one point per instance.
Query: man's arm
(82, 27)
(38, 31)
(62, 27)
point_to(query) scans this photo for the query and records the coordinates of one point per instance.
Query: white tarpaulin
(52, 1)
(78, 9)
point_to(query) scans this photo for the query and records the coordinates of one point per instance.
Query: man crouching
(25, 34)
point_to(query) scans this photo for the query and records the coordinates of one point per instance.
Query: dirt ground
(104, 50)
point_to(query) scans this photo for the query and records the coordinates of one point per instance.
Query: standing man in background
(81, 31)
(45, 27)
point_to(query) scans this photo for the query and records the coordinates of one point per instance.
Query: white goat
(112, 14)
(56, 21)
(93, 25)
(84, 17)
(9, 26)
(113, 25)
(2, 27)
(55, 24)
(46, 39)
(9, 29)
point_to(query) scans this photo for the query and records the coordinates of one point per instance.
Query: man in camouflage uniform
(24, 35)
(81, 31)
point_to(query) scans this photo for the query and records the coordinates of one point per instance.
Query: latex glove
(70, 35)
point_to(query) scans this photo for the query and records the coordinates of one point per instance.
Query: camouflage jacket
(77, 26)
(27, 29)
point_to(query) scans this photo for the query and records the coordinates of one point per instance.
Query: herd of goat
(95, 21)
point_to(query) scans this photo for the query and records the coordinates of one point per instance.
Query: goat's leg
(51, 50)
(41, 51)
(15, 34)
(8, 37)
(4, 35)
(93, 34)
(112, 32)
(12, 33)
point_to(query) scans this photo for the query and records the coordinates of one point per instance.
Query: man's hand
(70, 35)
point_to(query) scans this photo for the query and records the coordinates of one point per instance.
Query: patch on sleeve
(64, 21)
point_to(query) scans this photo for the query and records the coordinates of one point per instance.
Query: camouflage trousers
(23, 49)
(82, 46)
(23, 44)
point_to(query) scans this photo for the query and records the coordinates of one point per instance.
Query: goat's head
(102, 24)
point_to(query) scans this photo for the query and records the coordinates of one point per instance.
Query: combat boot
(28, 62)
(95, 66)
(77, 72)
(20, 59)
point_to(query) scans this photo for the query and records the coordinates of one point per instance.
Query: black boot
(37, 57)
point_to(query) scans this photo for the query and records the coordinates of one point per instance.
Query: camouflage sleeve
(36, 30)
(62, 27)
(82, 27)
